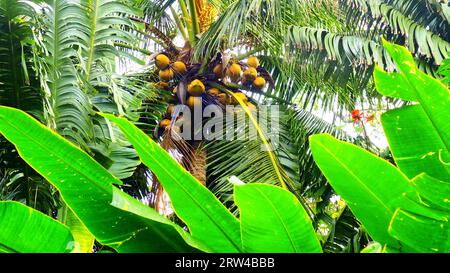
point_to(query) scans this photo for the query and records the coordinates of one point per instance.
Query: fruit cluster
(234, 73)
(168, 70)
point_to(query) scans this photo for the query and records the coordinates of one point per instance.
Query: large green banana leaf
(376, 191)
(87, 188)
(419, 138)
(434, 191)
(429, 230)
(372, 187)
(26, 230)
(80, 233)
(421, 233)
(273, 220)
(419, 135)
(416, 146)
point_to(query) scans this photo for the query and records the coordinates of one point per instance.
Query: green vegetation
(405, 208)
(354, 155)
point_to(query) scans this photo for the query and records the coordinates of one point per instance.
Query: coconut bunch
(194, 89)
(168, 70)
(246, 74)
(239, 73)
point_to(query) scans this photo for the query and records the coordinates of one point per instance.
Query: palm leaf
(259, 22)
(428, 13)
(417, 23)
(66, 107)
(155, 12)
(301, 124)
(18, 85)
(246, 156)
(106, 18)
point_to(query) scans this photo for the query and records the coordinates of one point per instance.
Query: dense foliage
(89, 96)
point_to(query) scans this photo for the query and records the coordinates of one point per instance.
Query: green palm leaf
(425, 35)
(66, 106)
(18, 85)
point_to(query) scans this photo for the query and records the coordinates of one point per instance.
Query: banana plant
(267, 213)
(27, 230)
(403, 207)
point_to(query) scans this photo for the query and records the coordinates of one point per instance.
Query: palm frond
(244, 156)
(412, 23)
(152, 35)
(299, 126)
(346, 49)
(346, 234)
(156, 14)
(310, 80)
(259, 22)
(429, 13)
(66, 106)
(19, 87)
(104, 26)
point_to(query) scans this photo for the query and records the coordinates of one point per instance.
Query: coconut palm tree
(60, 63)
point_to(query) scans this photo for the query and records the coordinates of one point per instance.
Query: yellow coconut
(170, 109)
(194, 102)
(250, 74)
(164, 123)
(196, 88)
(253, 62)
(218, 70)
(163, 85)
(179, 67)
(259, 82)
(162, 61)
(241, 96)
(234, 72)
(166, 75)
(223, 98)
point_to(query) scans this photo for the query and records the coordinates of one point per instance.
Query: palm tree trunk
(198, 169)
